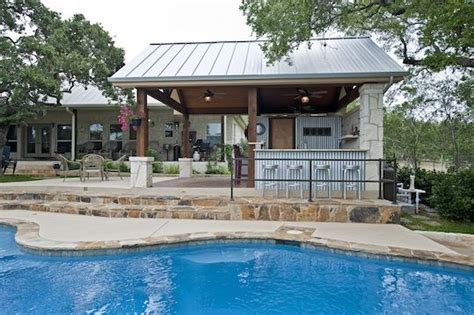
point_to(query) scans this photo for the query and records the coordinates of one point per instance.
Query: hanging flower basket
(135, 122)
(129, 117)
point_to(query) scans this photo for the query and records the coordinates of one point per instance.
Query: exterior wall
(349, 122)
(371, 127)
(234, 129)
(158, 117)
(318, 142)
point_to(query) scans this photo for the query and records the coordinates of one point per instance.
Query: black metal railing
(381, 180)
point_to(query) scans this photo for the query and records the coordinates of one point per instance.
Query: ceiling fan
(209, 95)
(305, 95)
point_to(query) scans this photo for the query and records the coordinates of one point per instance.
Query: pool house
(297, 108)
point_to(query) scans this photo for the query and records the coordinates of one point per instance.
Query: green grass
(18, 178)
(432, 222)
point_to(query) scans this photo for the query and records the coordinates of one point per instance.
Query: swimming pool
(226, 278)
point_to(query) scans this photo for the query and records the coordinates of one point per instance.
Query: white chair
(351, 172)
(269, 176)
(294, 172)
(403, 195)
(322, 173)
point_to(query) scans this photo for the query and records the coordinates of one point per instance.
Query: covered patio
(296, 108)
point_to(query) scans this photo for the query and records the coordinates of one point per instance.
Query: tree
(435, 35)
(43, 56)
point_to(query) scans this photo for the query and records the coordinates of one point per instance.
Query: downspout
(389, 84)
(73, 128)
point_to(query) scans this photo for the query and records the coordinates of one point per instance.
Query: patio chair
(120, 161)
(109, 148)
(65, 169)
(403, 196)
(93, 163)
(129, 148)
(238, 164)
(7, 161)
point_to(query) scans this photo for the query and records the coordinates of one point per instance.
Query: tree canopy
(43, 56)
(432, 34)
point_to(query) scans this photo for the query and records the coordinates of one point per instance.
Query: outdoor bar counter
(302, 157)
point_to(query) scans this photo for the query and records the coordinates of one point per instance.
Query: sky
(135, 23)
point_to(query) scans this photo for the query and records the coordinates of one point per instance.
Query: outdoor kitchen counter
(302, 157)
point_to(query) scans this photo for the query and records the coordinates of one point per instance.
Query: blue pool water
(222, 278)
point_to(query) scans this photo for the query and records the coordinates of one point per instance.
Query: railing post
(380, 178)
(310, 197)
(232, 180)
(394, 182)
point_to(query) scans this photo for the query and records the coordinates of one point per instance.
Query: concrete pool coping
(68, 234)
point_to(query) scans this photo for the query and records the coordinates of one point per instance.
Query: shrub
(453, 195)
(171, 169)
(124, 168)
(73, 165)
(157, 167)
(154, 153)
(214, 168)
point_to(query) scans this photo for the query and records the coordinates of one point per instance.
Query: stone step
(120, 211)
(91, 198)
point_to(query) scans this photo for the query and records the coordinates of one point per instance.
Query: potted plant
(128, 116)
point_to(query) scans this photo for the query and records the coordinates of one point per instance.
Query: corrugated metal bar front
(336, 167)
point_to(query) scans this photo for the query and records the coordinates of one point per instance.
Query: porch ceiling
(271, 99)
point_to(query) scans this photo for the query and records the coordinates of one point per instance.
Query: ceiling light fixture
(208, 96)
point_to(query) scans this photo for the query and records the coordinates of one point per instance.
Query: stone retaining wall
(217, 208)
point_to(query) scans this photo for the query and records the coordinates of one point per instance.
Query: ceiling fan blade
(320, 92)
(315, 96)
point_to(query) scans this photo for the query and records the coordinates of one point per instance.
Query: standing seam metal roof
(230, 60)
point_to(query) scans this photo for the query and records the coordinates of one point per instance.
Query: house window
(12, 138)
(213, 134)
(96, 132)
(64, 139)
(116, 134)
(316, 131)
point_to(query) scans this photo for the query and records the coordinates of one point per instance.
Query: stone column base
(185, 167)
(141, 171)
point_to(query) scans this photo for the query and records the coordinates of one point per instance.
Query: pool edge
(28, 238)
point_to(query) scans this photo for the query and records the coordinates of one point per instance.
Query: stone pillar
(185, 167)
(371, 129)
(141, 171)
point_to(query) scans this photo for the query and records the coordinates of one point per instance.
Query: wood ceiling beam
(167, 100)
(350, 96)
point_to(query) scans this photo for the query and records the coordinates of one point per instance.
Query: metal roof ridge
(255, 40)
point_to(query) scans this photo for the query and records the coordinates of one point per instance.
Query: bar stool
(269, 176)
(294, 172)
(325, 171)
(348, 173)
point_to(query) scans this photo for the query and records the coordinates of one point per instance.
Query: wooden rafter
(351, 95)
(167, 100)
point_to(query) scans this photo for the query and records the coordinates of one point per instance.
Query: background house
(87, 121)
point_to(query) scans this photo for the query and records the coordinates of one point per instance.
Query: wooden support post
(223, 129)
(252, 134)
(185, 137)
(142, 131)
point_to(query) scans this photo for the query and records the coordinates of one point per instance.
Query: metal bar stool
(348, 174)
(269, 176)
(294, 172)
(325, 172)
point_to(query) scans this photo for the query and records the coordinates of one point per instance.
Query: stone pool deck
(68, 234)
